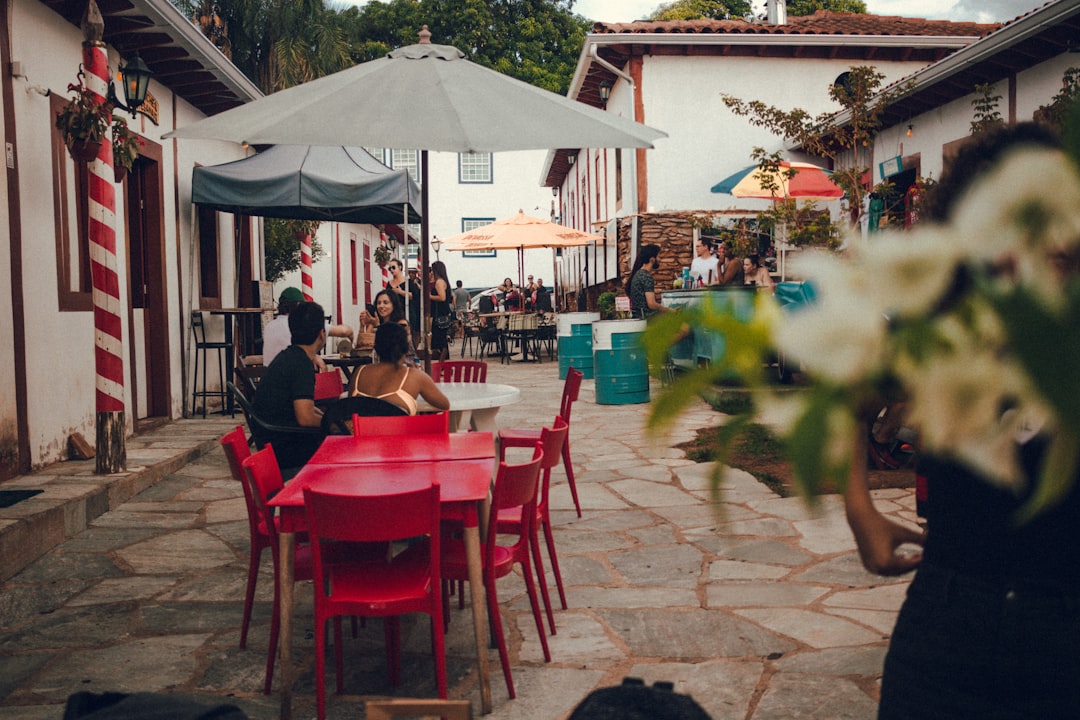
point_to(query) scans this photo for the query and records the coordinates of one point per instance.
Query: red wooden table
(383, 465)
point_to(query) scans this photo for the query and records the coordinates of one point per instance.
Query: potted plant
(84, 122)
(606, 305)
(381, 255)
(125, 148)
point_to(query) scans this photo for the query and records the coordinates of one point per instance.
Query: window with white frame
(468, 224)
(474, 167)
(406, 159)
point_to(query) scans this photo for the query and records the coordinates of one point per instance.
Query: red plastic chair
(237, 450)
(264, 479)
(462, 371)
(375, 587)
(509, 520)
(437, 370)
(328, 385)
(429, 424)
(515, 487)
(511, 437)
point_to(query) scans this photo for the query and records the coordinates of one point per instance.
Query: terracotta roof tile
(820, 23)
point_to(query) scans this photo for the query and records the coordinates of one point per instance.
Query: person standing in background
(441, 311)
(705, 267)
(461, 301)
(731, 267)
(641, 287)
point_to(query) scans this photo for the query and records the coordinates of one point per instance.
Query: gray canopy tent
(301, 182)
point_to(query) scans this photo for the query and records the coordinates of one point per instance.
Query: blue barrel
(622, 367)
(575, 342)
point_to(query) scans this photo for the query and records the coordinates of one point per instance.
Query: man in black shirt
(286, 394)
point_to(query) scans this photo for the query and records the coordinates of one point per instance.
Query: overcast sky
(975, 10)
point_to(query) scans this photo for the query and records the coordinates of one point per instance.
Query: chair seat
(405, 577)
(515, 436)
(455, 564)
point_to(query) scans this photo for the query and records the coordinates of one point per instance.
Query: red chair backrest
(372, 518)
(328, 384)
(516, 486)
(429, 424)
(437, 370)
(463, 371)
(264, 476)
(237, 450)
(571, 388)
(551, 441)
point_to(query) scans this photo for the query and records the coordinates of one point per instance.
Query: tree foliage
(536, 41)
(276, 43)
(738, 9)
(858, 95)
(283, 240)
(702, 9)
(809, 7)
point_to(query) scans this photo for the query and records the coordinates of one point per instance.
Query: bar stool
(224, 357)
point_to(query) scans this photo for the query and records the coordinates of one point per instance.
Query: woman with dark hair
(442, 314)
(641, 287)
(392, 378)
(389, 310)
(755, 274)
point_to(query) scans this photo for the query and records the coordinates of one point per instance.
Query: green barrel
(620, 362)
(575, 342)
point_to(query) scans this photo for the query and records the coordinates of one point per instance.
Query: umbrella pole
(425, 291)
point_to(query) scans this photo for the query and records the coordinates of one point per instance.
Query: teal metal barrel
(705, 345)
(575, 342)
(621, 365)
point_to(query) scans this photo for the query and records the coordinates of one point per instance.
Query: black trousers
(986, 649)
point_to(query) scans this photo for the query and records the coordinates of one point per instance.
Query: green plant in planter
(606, 305)
(381, 256)
(125, 145)
(83, 122)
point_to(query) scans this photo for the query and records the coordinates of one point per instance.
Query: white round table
(474, 405)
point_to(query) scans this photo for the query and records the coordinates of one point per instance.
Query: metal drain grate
(11, 497)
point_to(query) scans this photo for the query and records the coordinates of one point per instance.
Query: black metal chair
(338, 415)
(224, 358)
(260, 429)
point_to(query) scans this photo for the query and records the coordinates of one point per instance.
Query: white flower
(909, 272)
(1027, 207)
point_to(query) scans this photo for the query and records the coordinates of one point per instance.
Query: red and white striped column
(307, 285)
(111, 454)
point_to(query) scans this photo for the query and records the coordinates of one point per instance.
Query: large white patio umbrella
(422, 97)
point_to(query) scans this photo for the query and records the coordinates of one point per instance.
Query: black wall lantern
(605, 93)
(136, 78)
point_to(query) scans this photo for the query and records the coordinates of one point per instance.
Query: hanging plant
(381, 255)
(125, 148)
(83, 122)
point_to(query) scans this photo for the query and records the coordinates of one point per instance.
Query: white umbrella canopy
(423, 97)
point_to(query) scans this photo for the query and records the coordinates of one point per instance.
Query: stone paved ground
(757, 607)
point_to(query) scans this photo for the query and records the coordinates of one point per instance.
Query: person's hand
(320, 364)
(879, 540)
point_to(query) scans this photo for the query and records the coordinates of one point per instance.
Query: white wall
(952, 121)
(708, 142)
(50, 50)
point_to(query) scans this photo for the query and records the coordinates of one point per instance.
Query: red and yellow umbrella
(793, 180)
